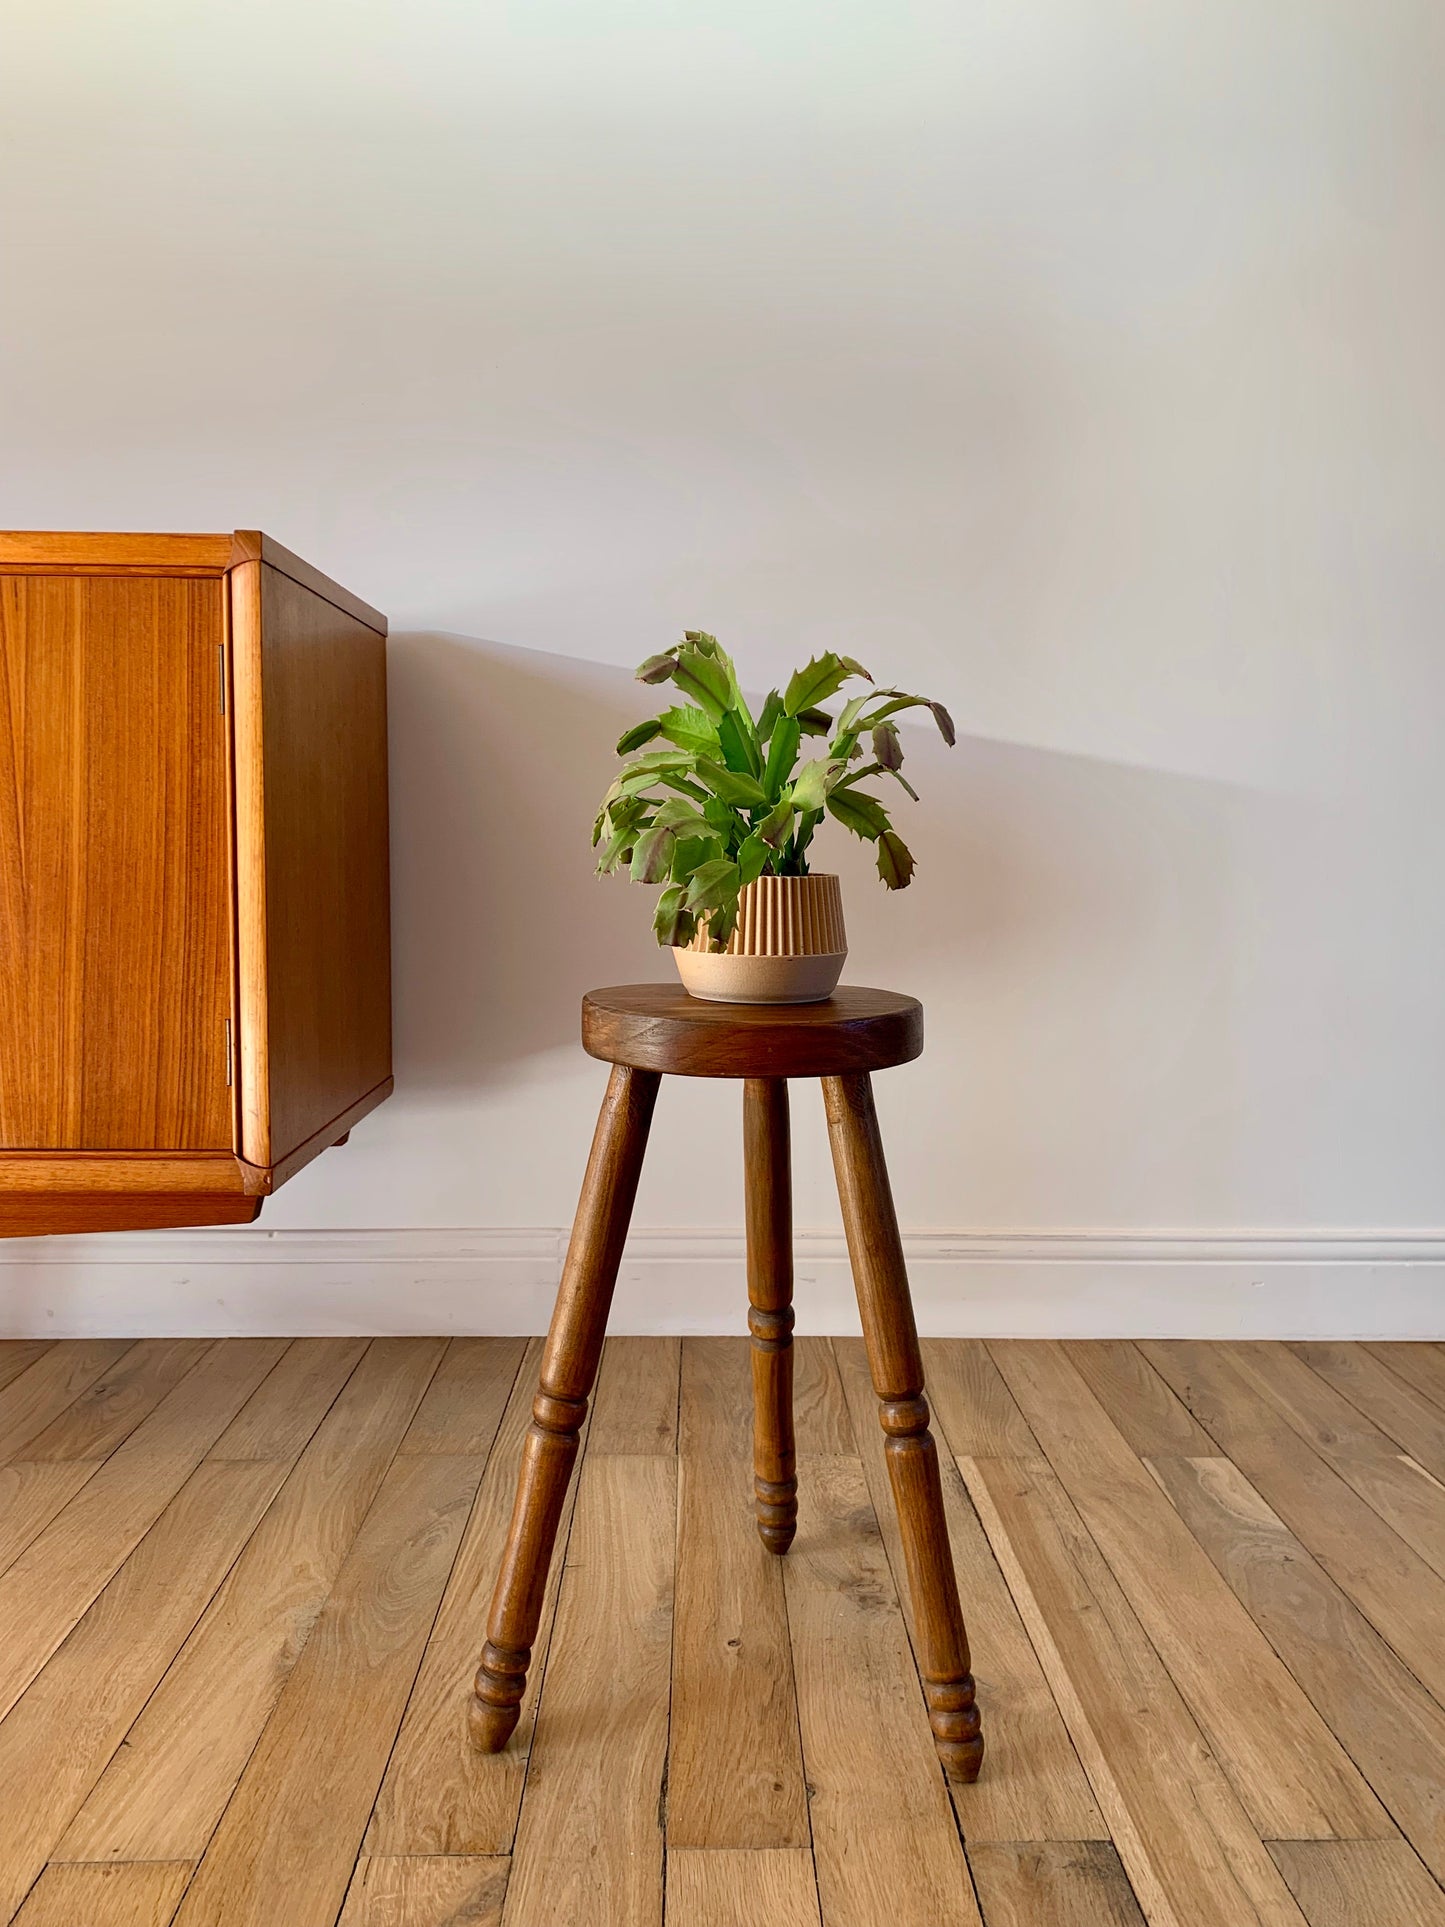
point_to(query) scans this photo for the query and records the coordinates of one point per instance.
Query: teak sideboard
(195, 983)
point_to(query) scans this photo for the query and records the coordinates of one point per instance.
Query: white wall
(1077, 363)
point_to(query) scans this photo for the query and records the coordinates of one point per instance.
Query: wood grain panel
(1033, 1788)
(295, 1822)
(56, 1578)
(722, 1888)
(50, 1756)
(30, 1497)
(53, 1382)
(867, 1752)
(1191, 1854)
(1367, 1380)
(1402, 1596)
(311, 860)
(1392, 1728)
(440, 1794)
(735, 1772)
(1291, 1774)
(146, 1895)
(163, 1793)
(589, 1842)
(114, 864)
(109, 1411)
(465, 1400)
(636, 1402)
(1359, 1883)
(426, 1890)
(1053, 1883)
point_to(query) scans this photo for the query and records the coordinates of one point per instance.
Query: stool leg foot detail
(767, 1166)
(896, 1367)
(569, 1371)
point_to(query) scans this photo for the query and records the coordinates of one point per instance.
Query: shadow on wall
(1075, 899)
(499, 758)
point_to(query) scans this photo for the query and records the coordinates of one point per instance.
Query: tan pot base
(789, 946)
(721, 978)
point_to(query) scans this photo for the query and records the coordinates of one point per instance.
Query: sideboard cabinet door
(115, 959)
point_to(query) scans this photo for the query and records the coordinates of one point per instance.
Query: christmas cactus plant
(728, 797)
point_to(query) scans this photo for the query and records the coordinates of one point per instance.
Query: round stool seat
(658, 1027)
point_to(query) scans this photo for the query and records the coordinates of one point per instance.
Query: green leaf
(813, 782)
(752, 859)
(732, 786)
(691, 729)
(768, 715)
(899, 777)
(689, 854)
(657, 668)
(701, 640)
(634, 738)
(633, 782)
(945, 724)
(901, 700)
(659, 759)
(888, 746)
(675, 780)
(671, 922)
(682, 818)
(713, 884)
(895, 861)
(864, 815)
(815, 722)
(619, 848)
(823, 677)
(720, 925)
(739, 750)
(782, 754)
(721, 815)
(652, 856)
(705, 680)
(855, 668)
(774, 827)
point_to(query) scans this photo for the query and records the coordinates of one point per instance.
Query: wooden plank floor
(243, 1585)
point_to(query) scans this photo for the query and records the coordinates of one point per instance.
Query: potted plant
(723, 817)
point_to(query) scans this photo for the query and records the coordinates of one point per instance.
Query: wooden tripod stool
(644, 1030)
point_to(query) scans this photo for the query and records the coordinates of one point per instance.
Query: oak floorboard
(636, 1400)
(1192, 1856)
(17, 1355)
(1052, 1883)
(721, 1887)
(1359, 1883)
(464, 1403)
(47, 1589)
(295, 1823)
(107, 1412)
(291, 1401)
(426, 1890)
(1414, 1422)
(1293, 1777)
(54, 1380)
(1390, 1726)
(441, 1795)
(1032, 1786)
(1391, 1585)
(715, 1412)
(972, 1403)
(1421, 1366)
(589, 1847)
(884, 1840)
(735, 1771)
(57, 1739)
(142, 1895)
(30, 1497)
(822, 1420)
(163, 1793)
(1407, 1497)
(1143, 1408)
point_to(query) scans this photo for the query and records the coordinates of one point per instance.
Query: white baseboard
(992, 1285)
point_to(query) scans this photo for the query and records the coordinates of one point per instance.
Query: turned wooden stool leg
(897, 1371)
(770, 1306)
(569, 1370)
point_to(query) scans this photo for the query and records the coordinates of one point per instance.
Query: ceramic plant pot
(788, 947)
